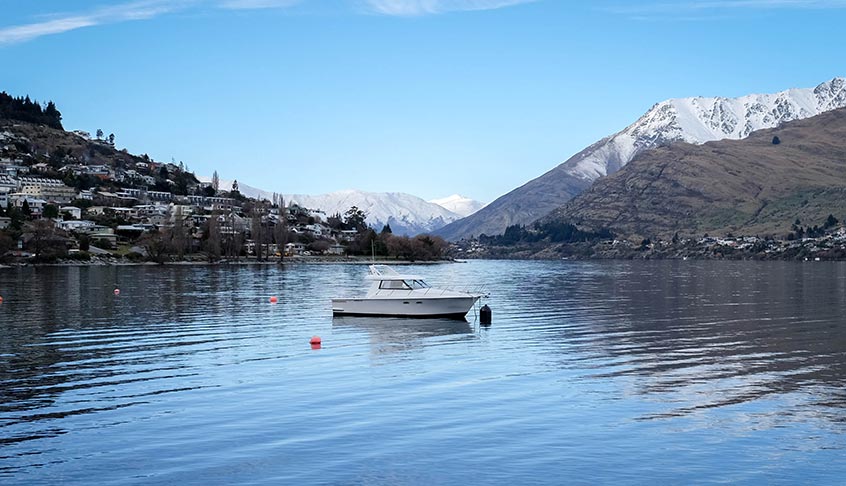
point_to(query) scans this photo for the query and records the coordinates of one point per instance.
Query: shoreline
(297, 260)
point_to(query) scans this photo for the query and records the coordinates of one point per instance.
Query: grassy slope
(748, 186)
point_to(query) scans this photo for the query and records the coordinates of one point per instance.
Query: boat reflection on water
(399, 334)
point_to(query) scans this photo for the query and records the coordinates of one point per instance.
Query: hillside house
(52, 190)
(294, 249)
(76, 225)
(73, 211)
(35, 205)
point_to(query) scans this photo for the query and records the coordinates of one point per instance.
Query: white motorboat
(394, 294)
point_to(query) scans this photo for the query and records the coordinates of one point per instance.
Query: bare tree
(179, 238)
(280, 232)
(215, 182)
(156, 245)
(257, 232)
(40, 235)
(213, 238)
(234, 240)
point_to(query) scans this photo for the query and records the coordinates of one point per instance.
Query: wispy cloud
(124, 12)
(256, 4)
(139, 10)
(411, 8)
(693, 8)
(148, 9)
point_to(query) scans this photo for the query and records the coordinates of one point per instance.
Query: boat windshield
(403, 284)
(394, 285)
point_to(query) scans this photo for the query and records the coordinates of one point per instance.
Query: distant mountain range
(458, 204)
(756, 186)
(405, 213)
(692, 120)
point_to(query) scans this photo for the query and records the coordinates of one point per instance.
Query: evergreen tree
(24, 109)
(830, 222)
(53, 114)
(50, 211)
(355, 219)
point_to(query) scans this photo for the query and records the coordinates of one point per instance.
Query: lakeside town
(85, 201)
(817, 243)
(61, 210)
(70, 197)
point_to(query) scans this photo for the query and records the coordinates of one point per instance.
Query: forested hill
(24, 109)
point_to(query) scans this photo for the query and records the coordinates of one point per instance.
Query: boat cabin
(385, 278)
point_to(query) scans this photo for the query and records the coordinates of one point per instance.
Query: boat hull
(456, 307)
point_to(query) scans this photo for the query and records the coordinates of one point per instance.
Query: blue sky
(429, 97)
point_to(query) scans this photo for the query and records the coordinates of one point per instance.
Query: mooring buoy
(485, 314)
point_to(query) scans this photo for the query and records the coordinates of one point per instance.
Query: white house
(73, 211)
(75, 225)
(315, 229)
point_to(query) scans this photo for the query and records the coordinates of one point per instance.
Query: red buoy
(1, 300)
(117, 291)
(315, 340)
(274, 300)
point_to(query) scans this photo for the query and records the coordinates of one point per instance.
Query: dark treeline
(24, 109)
(386, 244)
(554, 232)
(798, 231)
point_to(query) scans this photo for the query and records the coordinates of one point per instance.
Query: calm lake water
(612, 372)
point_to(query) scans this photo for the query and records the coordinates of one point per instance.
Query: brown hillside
(39, 143)
(750, 186)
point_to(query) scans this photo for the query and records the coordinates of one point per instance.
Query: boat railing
(477, 290)
(474, 290)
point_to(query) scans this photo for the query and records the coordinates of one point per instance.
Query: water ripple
(591, 372)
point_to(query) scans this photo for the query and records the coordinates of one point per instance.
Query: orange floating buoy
(117, 291)
(315, 340)
(274, 300)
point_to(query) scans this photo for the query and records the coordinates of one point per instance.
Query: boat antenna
(373, 250)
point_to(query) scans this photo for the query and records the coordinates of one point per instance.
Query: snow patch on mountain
(405, 213)
(700, 119)
(458, 204)
(695, 120)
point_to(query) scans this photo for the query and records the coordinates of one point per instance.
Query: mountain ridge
(694, 120)
(759, 185)
(458, 204)
(405, 213)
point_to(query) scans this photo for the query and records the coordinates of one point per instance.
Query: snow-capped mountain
(699, 120)
(693, 120)
(407, 214)
(458, 204)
